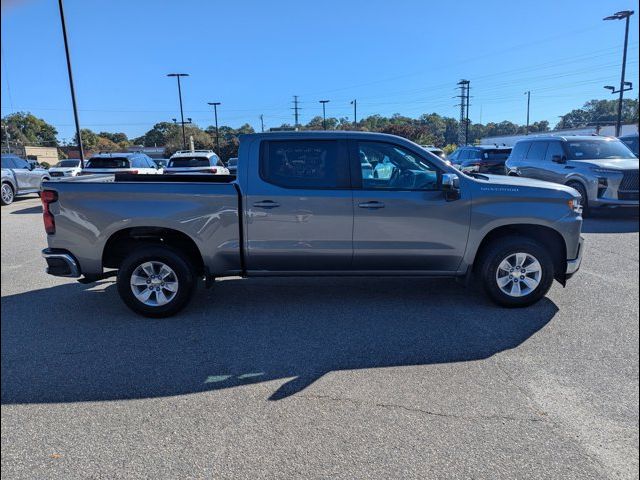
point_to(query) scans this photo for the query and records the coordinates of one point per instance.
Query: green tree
(25, 128)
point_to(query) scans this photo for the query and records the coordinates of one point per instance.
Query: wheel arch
(120, 243)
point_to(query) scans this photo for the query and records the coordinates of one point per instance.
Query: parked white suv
(196, 161)
(66, 168)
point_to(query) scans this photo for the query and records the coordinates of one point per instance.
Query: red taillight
(133, 171)
(213, 170)
(48, 197)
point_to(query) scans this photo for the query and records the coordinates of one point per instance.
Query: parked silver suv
(602, 169)
(20, 177)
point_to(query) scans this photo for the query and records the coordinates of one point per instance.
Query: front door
(402, 221)
(300, 207)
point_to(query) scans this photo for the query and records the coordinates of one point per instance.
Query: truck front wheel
(156, 281)
(516, 271)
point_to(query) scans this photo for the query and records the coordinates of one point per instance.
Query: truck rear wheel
(516, 271)
(156, 281)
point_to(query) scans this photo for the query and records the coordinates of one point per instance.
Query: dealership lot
(318, 377)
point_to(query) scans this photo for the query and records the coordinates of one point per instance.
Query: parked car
(65, 168)
(232, 165)
(301, 206)
(602, 169)
(196, 161)
(480, 159)
(436, 151)
(161, 162)
(126, 162)
(20, 177)
(631, 141)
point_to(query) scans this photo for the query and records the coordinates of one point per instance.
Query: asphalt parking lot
(321, 378)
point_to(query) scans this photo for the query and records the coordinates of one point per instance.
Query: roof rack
(194, 151)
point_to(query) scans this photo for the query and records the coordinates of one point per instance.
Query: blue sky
(253, 56)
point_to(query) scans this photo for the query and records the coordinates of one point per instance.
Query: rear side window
(185, 162)
(305, 164)
(520, 150)
(537, 151)
(111, 162)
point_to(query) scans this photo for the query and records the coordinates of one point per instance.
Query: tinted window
(475, 154)
(185, 162)
(305, 164)
(20, 163)
(69, 163)
(597, 149)
(464, 154)
(495, 154)
(555, 148)
(454, 155)
(395, 168)
(7, 162)
(537, 151)
(108, 162)
(520, 150)
(631, 143)
(232, 162)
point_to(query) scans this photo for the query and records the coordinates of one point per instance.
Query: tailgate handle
(266, 204)
(371, 205)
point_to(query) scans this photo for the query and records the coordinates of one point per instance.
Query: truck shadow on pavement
(74, 343)
(619, 223)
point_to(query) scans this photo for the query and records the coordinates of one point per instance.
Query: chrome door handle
(266, 204)
(371, 205)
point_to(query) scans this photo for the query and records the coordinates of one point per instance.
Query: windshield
(597, 149)
(110, 162)
(69, 163)
(232, 162)
(183, 162)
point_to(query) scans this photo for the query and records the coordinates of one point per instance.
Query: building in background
(604, 130)
(38, 154)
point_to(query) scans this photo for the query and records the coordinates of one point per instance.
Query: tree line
(432, 129)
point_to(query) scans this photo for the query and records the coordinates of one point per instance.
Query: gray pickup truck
(300, 205)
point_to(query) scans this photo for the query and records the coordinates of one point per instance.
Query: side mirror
(451, 186)
(559, 159)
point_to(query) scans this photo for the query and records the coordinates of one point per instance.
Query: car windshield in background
(232, 162)
(597, 149)
(495, 154)
(69, 163)
(112, 162)
(184, 162)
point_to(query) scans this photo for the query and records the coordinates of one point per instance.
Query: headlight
(605, 171)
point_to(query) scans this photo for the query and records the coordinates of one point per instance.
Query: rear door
(534, 164)
(27, 180)
(300, 207)
(404, 223)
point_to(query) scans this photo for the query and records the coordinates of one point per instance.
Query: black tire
(502, 248)
(179, 263)
(584, 198)
(9, 198)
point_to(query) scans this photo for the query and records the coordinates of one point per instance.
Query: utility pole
(528, 94)
(71, 87)
(295, 109)
(178, 75)
(624, 14)
(463, 125)
(324, 113)
(6, 134)
(262, 123)
(215, 114)
(354, 102)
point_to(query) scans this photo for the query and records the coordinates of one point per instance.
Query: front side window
(555, 150)
(395, 168)
(631, 143)
(8, 162)
(537, 151)
(321, 164)
(598, 149)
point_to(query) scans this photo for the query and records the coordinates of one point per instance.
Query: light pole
(624, 14)
(528, 94)
(354, 102)
(178, 75)
(262, 123)
(324, 113)
(215, 114)
(73, 91)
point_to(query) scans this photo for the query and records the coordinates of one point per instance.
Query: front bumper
(574, 265)
(61, 263)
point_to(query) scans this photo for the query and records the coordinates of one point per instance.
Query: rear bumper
(61, 263)
(574, 265)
